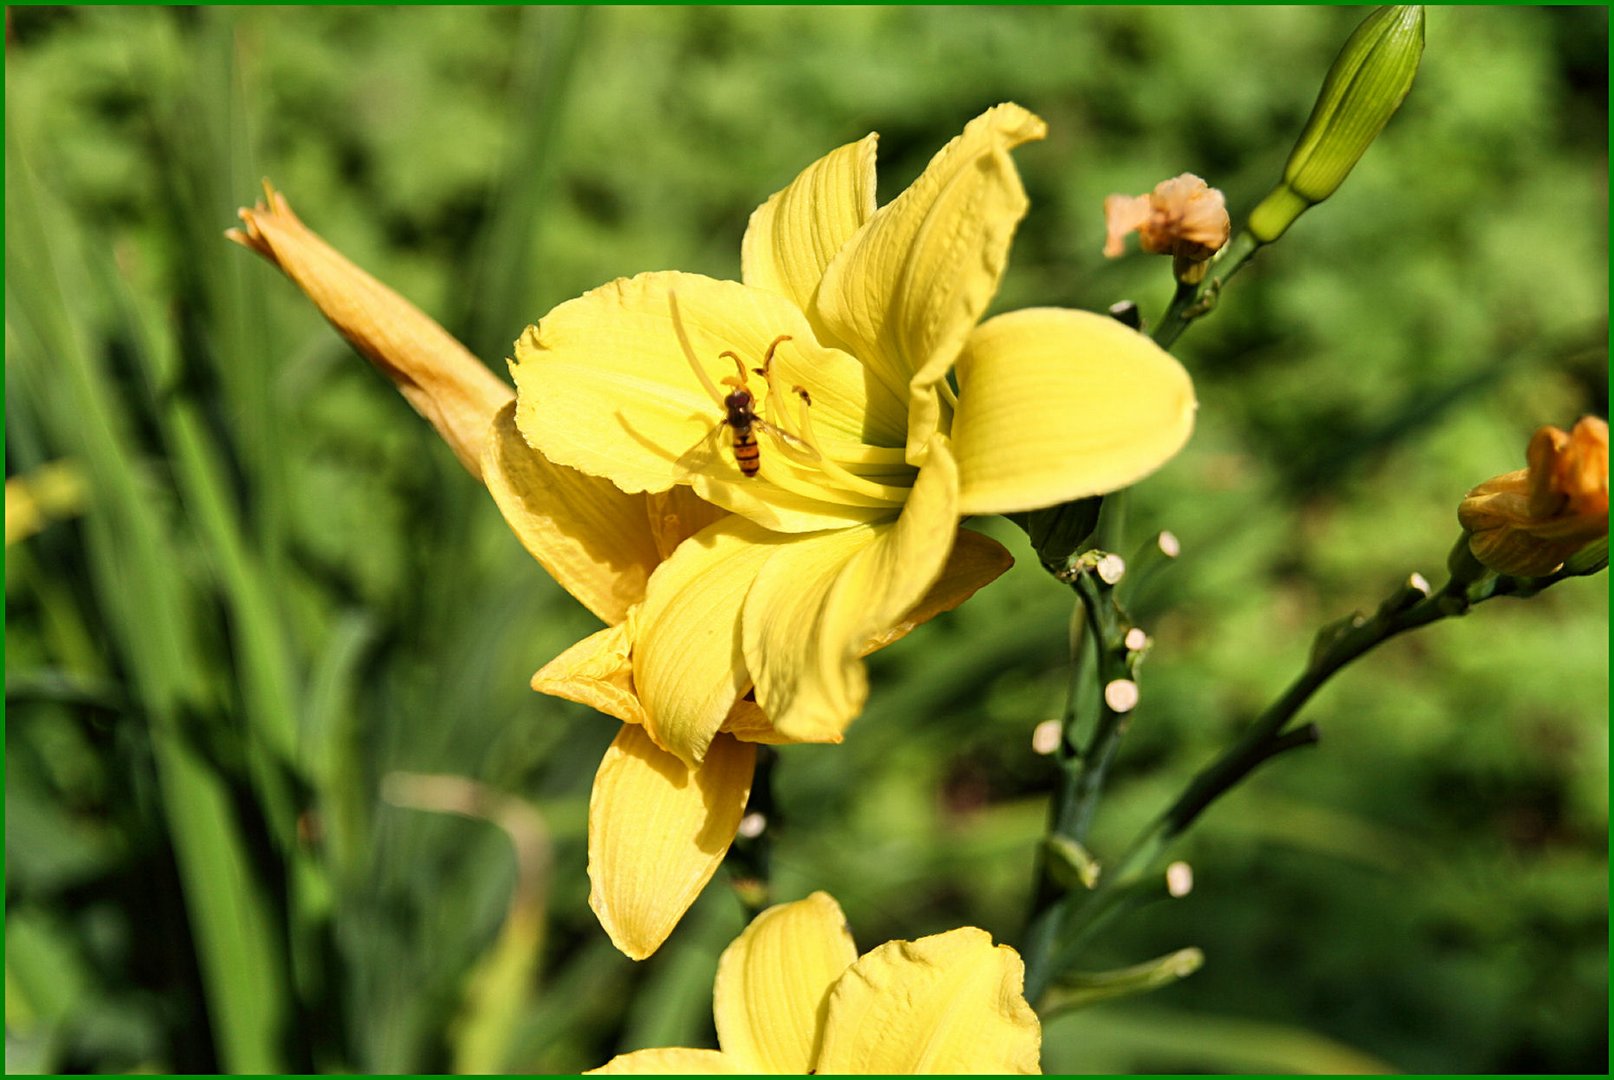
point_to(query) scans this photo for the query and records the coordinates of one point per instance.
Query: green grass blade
(133, 561)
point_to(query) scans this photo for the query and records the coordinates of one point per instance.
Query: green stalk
(136, 576)
(504, 271)
(1337, 646)
(1084, 769)
(1191, 302)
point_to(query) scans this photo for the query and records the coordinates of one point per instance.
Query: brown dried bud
(1527, 522)
(1183, 217)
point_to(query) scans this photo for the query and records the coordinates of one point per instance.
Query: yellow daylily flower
(658, 828)
(833, 353)
(793, 996)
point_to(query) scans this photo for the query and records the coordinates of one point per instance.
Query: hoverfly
(739, 405)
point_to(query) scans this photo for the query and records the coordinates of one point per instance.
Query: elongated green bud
(1369, 80)
(1080, 989)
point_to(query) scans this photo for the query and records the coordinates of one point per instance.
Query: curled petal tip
(438, 376)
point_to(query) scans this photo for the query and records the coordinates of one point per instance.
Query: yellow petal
(773, 984)
(688, 665)
(1055, 405)
(591, 537)
(906, 290)
(795, 234)
(597, 672)
(747, 721)
(821, 599)
(444, 382)
(975, 561)
(675, 1061)
(951, 1003)
(805, 506)
(605, 387)
(677, 514)
(657, 832)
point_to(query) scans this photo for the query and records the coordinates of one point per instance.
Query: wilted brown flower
(1527, 522)
(1183, 217)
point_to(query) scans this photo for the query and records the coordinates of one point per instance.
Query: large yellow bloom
(793, 996)
(658, 829)
(869, 457)
(737, 608)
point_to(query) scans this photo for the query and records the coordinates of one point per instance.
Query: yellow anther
(736, 381)
(689, 350)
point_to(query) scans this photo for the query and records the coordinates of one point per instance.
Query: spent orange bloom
(1183, 217)
(1527, 522)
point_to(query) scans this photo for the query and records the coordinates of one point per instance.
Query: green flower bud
(1366, 85)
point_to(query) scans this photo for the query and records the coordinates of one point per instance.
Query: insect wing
(710, 455)
(794, 448)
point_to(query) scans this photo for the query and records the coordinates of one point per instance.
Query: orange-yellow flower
(1527, 522)
(840, 338)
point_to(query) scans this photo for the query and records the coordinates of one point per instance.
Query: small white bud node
(1045, 737)
(1121, 695)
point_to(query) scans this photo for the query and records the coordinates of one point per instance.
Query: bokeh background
(281, 633)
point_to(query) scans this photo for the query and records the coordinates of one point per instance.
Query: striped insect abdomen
(741, 407)
(747, 454)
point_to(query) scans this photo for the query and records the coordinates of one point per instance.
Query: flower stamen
(831, 468)
(689, 352)
(799, 446)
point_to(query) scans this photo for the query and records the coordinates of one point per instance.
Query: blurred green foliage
(285, 591)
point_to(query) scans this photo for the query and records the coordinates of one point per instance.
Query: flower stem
(1192, 301)
(750, 857)
(1074, 918)
(1084, 768)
